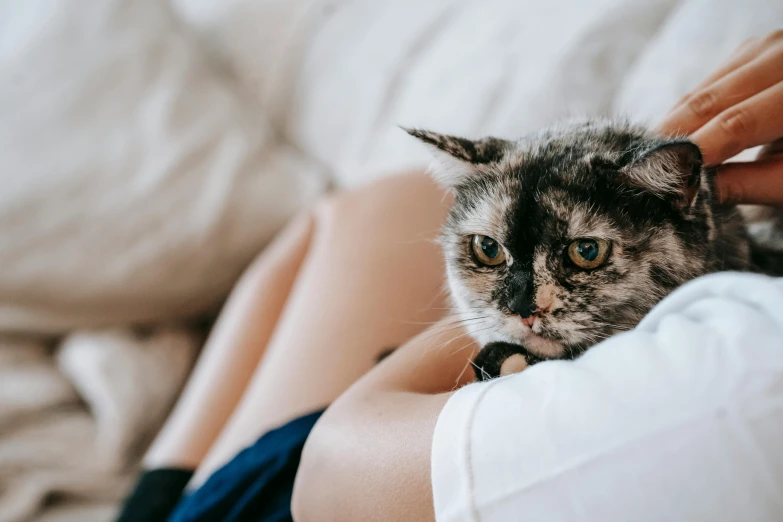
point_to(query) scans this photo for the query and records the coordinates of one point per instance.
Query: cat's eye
(588, 253)
(487, 251)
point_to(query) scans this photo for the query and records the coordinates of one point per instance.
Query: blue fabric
(256, 485)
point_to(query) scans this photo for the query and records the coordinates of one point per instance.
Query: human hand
(737, 107)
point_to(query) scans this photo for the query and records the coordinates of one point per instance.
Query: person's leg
(232, 351)
(372, 279)
(227, 362)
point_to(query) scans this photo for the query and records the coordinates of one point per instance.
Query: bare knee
(399, 201)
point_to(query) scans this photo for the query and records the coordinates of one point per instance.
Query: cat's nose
(522, 307)
(529, 321)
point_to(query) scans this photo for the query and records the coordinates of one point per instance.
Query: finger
(753, 183)
(746, 52)
(746, 81)
(757, 120)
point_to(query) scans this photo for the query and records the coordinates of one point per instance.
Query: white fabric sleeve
(680, 419)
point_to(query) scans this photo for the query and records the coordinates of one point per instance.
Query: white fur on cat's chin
(534, 343)
(518, 334)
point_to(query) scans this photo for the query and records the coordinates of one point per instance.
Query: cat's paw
(500, 358)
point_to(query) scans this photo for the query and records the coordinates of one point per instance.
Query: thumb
(757, 182)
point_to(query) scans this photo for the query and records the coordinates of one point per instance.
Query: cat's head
(561, 239)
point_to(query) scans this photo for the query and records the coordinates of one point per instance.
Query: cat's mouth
(534, 338)
(550, 342)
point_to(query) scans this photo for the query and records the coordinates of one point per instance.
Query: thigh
(373, 278)
(232, 351)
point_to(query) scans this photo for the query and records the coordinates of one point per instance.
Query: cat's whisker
(434, 332)
(469, 333)
(441, 320)
(464, 346)
(460, 308)
(468, 362)
(443, 293)
(445, 319)
(597, 324)
(481, 369)
(459, 320)
(449, 341)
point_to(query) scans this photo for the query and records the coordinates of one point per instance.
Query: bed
(149, 150)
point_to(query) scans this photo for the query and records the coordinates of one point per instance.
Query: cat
(570, 235)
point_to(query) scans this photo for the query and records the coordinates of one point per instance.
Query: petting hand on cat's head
(738, 107)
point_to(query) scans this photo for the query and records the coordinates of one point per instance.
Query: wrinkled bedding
(322, 84)
(75, 415)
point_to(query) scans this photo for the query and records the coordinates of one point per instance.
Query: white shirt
(679, 420)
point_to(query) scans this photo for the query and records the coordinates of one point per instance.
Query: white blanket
(222, 91)
(73, 421)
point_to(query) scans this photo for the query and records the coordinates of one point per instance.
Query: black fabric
(256, 485)
(155, 495)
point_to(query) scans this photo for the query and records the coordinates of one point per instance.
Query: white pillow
(340, 76)
(136, 181)
(699, 36)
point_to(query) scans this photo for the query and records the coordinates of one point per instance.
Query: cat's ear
(456, 158)
(670, 169)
